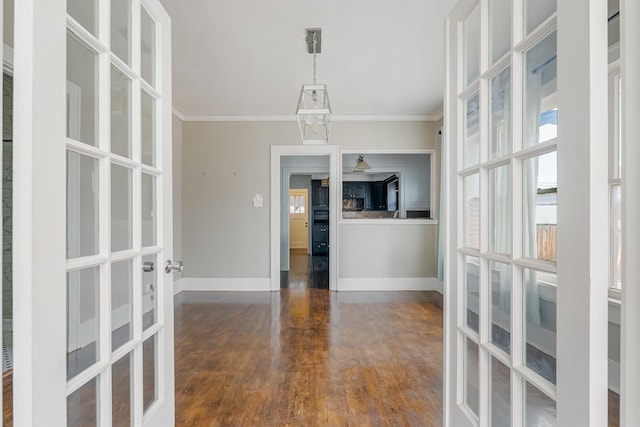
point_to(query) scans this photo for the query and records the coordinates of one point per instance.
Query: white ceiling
(248, 57)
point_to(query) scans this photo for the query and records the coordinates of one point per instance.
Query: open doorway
(306, 239)
(310, 170)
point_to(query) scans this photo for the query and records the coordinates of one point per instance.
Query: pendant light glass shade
(314, 114)
(361, 165)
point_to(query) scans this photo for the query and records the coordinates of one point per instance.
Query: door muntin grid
(497, 283)
(114, 186)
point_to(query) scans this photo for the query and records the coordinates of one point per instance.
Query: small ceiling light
(314, 110)
(361, 165)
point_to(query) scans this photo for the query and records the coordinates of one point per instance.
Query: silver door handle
(170, 266)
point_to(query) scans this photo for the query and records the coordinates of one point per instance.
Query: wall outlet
(257, 201)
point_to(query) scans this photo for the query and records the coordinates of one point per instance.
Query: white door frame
(583, 243)
(277, 152)
(39, 254)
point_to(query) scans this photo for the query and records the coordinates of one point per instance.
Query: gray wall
(226, 163)
(388, 251)
(300, 182)
(614, 341)
(8, 22)
(224, 166)
(614, 25)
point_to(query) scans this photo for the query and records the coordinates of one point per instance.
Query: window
(296, 204)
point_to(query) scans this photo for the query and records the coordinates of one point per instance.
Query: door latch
(170, 266)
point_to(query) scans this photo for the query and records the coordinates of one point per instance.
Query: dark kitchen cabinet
(359, 190)
(320, 218)
(320, 239)
(319, 195)
(320, 248)
(379, 196)
(320, 233)
(353, 190)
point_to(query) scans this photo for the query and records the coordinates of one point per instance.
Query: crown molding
(239, 118)
(292, 118)
(388, 118)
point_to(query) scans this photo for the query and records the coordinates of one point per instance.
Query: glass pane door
(504, 159)
(117, 289)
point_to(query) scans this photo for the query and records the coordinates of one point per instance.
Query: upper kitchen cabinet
(387, 185)
(354, 190)
(319, 195)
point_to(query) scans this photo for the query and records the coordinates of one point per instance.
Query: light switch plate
(257, 201)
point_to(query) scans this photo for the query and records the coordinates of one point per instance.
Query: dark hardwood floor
(302, 357)
(308, 358)
(7, 399)
(315, 358)
(305, 271)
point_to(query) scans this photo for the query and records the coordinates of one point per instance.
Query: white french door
(93, 121)
(526, 230)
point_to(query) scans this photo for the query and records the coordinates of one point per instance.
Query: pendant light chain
(314, 58)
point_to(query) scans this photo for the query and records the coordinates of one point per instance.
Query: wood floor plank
(310, 357)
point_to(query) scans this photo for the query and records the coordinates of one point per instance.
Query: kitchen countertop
(380, 217)
(366, 214)
(388, 221)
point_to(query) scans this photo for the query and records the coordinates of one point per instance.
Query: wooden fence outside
(547, 239)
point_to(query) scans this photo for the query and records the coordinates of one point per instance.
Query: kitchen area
(387, 233)
(377, 198)
(390, 187)
(386, 186)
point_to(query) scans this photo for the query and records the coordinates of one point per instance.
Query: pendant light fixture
(314, 110)
(361, 165)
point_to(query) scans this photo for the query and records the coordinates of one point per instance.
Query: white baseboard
(391, 284)
(614, 376)
(178, 286)
(439, 285)
(344, 284)
(222, 284)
